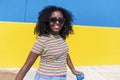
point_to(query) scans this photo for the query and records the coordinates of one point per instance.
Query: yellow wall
(90, 45)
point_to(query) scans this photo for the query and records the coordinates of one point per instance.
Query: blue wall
(86, 12)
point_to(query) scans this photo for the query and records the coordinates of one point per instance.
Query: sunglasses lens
(61, 20)
(54, 20)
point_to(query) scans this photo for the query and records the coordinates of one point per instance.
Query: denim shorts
(41, 77)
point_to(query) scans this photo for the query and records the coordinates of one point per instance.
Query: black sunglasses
(54, 20)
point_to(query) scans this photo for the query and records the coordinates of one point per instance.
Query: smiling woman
(97, 29)
(54, 19)
(53, 51)
(56, 22)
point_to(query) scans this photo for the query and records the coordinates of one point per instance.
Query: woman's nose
(57, 22)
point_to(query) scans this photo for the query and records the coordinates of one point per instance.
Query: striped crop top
(53, 52)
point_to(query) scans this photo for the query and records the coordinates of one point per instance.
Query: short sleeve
(38, 45)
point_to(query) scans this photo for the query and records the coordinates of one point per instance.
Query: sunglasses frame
(54, 20)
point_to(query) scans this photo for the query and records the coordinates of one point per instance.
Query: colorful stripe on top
(53, 52)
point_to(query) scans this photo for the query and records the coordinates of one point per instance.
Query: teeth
(56, 26)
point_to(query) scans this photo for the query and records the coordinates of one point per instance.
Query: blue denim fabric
(80, 76)
(41, 77)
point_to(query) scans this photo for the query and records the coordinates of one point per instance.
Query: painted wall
(86, 12)
(90, 45)
(96, 24)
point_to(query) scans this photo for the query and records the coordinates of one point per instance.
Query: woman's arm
(29, 62)
(70, 65)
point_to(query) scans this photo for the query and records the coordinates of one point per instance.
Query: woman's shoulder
(43, 38)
